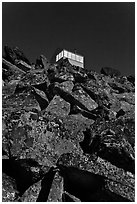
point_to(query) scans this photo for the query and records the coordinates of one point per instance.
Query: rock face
(59, 120)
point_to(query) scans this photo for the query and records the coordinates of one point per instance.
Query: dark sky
(103, 32)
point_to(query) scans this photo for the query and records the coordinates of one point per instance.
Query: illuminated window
(73, 56)
(69, 55)
(61, 54)
(81, 59)
(65, 53)
(77, 58)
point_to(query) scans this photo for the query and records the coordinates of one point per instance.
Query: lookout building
(74, 58)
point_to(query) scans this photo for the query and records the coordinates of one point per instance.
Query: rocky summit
(68, 133)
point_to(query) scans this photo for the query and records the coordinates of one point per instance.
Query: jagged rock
(58, 106)
(60, 77)
(6, 74)
(11, 54)
(84, 99)
(22, 65)
(10, 88)
(73, 99)
(66, 86)
(25, 100)
(94, 96)
(41, 98)
(131, 79)
(108, 71)
(45, 62)
(9, 189)
(20, 55)
(67, 77)
(12, 70)
(121, 157)
(38, 64)
(128, 97)
(117, 88)
(129, 133)
(117, 151)
(72, 115)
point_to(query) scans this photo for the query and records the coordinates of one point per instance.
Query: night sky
(103, 32)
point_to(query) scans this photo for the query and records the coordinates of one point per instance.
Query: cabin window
(65, 53)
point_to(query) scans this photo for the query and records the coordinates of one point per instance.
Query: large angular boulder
(61, 114)
(58, 106)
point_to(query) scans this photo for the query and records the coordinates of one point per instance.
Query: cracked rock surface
(61, 118)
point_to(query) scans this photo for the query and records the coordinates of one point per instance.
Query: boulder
(20, 55)
(108, 71)
(45, 62)
(11, 54)
(22, 65)
(58, 106)
(61, 114)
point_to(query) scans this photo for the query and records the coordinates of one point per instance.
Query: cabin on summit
(73, 58)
